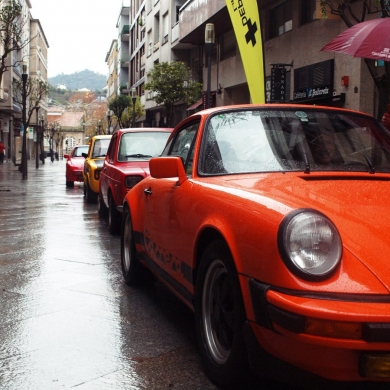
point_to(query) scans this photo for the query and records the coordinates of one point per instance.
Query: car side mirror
(66, 155)
(85, 155)
(167, 167)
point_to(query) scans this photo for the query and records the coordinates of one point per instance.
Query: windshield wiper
(138, 155)
(370, 164)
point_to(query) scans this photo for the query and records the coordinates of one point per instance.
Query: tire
(90, 196)
(219, 316)
(69, 184)
(114, 216)
(102, 208)
(133, 272)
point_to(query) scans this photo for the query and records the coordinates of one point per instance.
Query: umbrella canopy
(369, 39)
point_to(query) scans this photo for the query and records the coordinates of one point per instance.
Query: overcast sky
(79, 32)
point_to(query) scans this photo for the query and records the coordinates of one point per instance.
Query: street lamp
(37, 139)
(134, 98)
(209, 39)
(24, 97)
(42, 129)
(109, 114)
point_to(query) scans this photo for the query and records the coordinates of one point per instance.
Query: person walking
(2, 148)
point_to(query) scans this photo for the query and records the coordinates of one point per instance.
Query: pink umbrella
(370, 39)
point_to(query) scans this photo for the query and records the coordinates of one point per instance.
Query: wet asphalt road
(67, 318)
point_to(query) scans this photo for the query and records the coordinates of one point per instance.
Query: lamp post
(134, 99)
(51, 142)
(24, 97)
(37, 139)
(42, 129)
(99, 127)
(209, 39)
(109, 114)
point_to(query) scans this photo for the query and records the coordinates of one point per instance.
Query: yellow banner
(246, 23)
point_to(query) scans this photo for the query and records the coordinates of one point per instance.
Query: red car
(126, 164)
(271, 223)
(75, 165)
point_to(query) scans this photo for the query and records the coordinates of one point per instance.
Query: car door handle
(148, 191)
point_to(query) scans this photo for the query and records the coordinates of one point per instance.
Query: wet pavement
(67, 318)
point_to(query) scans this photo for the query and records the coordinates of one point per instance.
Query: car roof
(144, 129)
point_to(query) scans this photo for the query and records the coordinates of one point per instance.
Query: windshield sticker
(302, 116)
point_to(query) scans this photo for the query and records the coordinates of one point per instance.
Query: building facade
(31, 51)
(293, 31)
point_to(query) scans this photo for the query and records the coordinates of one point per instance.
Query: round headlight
(310, 244)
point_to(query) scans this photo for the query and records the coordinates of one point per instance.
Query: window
(182, 146)
(165, 28)
(156, 28)
(280, 19)
(307, 11)
(228, 45)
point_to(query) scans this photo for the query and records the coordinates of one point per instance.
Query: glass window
(228, 45)
(293, 139)
(100, 148)
(280, 19)
(142, 145)
(78, 152)
(307, 11)
(182, 146)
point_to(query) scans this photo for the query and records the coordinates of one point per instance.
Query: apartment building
(294, 31)
(33, 53)
(112, 75)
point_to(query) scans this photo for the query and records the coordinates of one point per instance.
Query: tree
(172, 83)
(12, 35)
(36, 91)
(122, 107)
(118, 105)
(127, 115)
(352, 12)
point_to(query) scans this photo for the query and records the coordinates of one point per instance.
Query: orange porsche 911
(271, 223)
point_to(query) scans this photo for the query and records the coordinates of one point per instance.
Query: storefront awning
(195, 105)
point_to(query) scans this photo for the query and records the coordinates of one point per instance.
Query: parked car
(75, 164)
(271, 223)
(126, 164)
(93, 165)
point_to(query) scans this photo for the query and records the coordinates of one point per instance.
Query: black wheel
(102, 208)
(220, 315)
(132, 270)
(90, 196)
(114, 216)
(69, 184)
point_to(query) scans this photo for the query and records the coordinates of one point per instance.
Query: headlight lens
(310, 244)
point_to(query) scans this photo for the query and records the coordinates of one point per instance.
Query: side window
(111, 149)
(183, 145)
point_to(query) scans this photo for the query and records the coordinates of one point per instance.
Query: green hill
(84, 79)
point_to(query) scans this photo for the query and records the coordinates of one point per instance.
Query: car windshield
(100, 148)
(78, 152)
(142, 145)
(294, 139)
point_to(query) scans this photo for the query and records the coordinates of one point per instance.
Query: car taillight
(131, 181)
(97, 174)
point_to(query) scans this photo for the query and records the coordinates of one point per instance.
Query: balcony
(124, 35)
(125, 61)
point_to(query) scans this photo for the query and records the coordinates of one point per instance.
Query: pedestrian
(386, 120)
(2, 148)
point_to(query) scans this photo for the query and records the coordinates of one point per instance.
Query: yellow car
(93, 165)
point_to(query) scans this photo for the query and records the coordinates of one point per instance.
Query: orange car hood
(358, 205)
